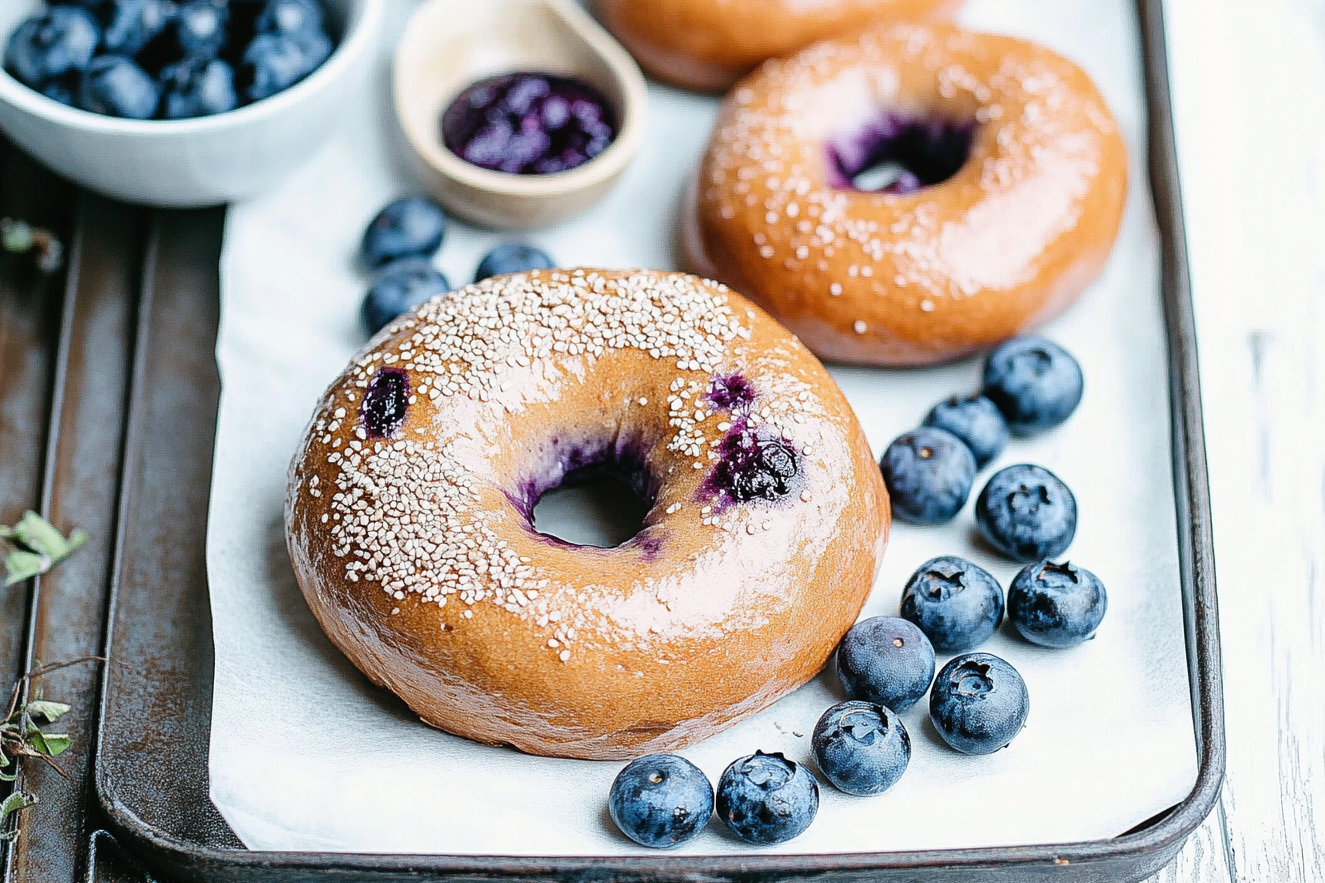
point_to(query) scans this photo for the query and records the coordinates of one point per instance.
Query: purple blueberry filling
(731, 393)
(753, 466)
(617, 488)
(529, 124)
(899, 155)
(385, 403)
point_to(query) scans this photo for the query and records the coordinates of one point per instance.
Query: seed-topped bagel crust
(409, 514)
(1011, 192)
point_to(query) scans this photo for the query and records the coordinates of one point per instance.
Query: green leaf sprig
(35, 546)
(19, 237)
(23, 734)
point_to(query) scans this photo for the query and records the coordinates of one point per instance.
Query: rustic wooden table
(1249, 99)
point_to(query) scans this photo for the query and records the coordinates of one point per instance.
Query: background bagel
(707, 45)
(1009, 239)
(408, 512)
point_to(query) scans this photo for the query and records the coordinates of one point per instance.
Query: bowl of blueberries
(179, 103)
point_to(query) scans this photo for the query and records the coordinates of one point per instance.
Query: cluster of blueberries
(978, 702)
(167, 59)
(399, 246)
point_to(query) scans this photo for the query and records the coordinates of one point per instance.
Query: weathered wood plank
(1250, 108)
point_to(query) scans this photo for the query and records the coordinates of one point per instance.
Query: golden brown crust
(707, 45)
(878, 278)
(416, 554)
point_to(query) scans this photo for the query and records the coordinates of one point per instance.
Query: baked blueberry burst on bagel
(410, 512)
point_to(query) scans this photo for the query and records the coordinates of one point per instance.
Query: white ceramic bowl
(197, 162)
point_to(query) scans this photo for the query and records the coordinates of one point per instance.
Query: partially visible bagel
(707, 45)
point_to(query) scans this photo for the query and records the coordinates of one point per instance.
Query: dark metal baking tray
(151, 760)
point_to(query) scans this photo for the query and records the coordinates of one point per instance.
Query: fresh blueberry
(400, 287)
(275, 62)
(57, 43)
(412, 226)
(1034, 382)
(976, 421)
(512, 257)
(861, 747)
(661, 800)
(63, 90)
(200, 27)
(885, 660)
(1056, 605)
(1027, 513)
(290, 17)
(198, 87)
(929, 473)
(979, 703)
(135, 23)
(765, 798)
(115, 86)
(954, 602)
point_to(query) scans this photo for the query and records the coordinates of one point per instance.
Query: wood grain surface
(1249, 99)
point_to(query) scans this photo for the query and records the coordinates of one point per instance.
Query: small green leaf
(21, 565)
(48, 711)
(52, 744)
(9, 808)
(41, 547)
(42, 537)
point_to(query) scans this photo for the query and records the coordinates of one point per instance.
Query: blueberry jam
(899, 155)
(754, 466)
(588, 493)
(385, 403)
(731, 393)
(529, 124)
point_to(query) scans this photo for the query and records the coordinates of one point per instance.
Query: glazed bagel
(709, 44)
(1010, 188)
(409, 513)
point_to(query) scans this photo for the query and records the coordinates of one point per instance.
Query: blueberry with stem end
(957, 604)
(978, 703)
(661, 800)
(1056, 605)
(1035, 383)
(1027, 513)
(861, 747)
(976, 421)
(928, 473)
(885, 660)
(765, 798)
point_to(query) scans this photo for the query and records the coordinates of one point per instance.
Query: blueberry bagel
(912, 194)
(708, 45)
(409, 512)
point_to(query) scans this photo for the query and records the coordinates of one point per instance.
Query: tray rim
(1159, 839)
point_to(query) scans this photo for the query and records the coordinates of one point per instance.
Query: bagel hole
(901, 156)
(603, 504)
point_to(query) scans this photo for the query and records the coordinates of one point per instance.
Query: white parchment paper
(307, 755)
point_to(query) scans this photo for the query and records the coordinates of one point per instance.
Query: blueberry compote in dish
(167, 59)
(529, 123)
